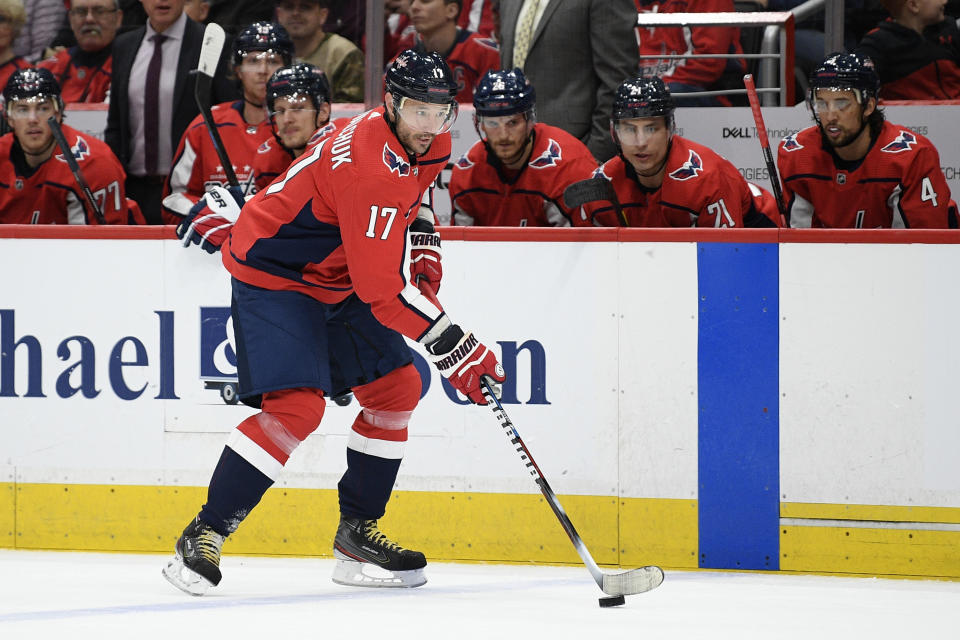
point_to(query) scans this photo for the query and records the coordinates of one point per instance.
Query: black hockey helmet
(303, 79)
(643, 98)
(263, 36)
(846, 71)
(422, 76)
(32, 83)
(504, 93)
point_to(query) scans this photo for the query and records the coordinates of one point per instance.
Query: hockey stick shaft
(597, 189)
(75, 168)
(623, 583)
(765, 146)
(213, 39)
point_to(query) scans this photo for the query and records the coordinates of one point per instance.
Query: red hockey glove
(463, 360)
(210, 220)
(425, 253)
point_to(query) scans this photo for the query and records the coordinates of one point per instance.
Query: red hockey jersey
(10, 67)
(700, 189)
(336, 223)
(897, 184)
(272, 158)
(49, 194)
(83, 77)
(482, 194)
(196, 165)
(471, 57)
(477, 16)
(701, 72)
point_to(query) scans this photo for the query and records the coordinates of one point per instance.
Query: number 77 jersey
(898, 184)
(335, 223)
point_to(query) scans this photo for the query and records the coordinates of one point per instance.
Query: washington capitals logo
(264, 148)
(790, 143)
(903, 142)
(690, 169)
(394, 162)
(463, 162)
(80, 150)
(548, 158)
(600, 173)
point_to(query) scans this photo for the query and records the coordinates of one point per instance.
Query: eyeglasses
(98, 12)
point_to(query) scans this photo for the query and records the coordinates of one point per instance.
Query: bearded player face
(841, 116)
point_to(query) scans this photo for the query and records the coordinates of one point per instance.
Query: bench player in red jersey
(853, 169)
(322, 300)
(36, 184)
(665, 180)
(515, 175)
(258, 50)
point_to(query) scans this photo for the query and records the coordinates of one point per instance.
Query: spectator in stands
(916, 51)
(855, 170)
(12, 17)
(258, 51)
(152, 97)
(337, 56)
(198, 10)
(478, 16)
(515, 175)
(43, 20)
(38, 185)
(660, 179)
(83, 71)
(396, 27)
(234, 15)
(575, 57)
(468, 54)
(691, 74)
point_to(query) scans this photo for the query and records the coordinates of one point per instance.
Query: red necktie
(151, 104)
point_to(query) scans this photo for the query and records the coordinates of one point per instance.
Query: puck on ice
(612, 601)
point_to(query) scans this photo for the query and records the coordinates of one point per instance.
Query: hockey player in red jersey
(298, 105)
(664, 180)
(322, 297)
(83, 70)
(39, 187)
(515, 175)
(855, 170)
(469, 55)
(260, 49)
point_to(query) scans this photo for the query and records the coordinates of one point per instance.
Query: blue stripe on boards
(738, 388)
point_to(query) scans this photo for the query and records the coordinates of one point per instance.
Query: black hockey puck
(612, 601)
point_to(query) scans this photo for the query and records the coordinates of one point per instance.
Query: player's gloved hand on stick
(463, 360)
(425, 253)
(209, 222)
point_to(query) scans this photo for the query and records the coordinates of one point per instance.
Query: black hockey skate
(368, 558)
(196, 566)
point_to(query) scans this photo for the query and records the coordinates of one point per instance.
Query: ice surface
(76, 596)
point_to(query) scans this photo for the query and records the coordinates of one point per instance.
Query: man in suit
(575, 53)
(152, 97)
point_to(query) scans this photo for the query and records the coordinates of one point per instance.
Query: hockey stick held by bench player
(593, 190)
(213, 39)
(75, 168)
(765, 146)
(623, 583)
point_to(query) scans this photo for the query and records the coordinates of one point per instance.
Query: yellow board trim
(867, 512)
(472, 527)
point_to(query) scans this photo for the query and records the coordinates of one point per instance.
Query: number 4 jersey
(335, 223)
(898, 184)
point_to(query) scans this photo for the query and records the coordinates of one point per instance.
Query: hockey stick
(765, 145)
(213, 39)
(75, 168)
(620, 584)
(591, 190)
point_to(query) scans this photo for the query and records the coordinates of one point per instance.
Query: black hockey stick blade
(213, 39)
(592, 190)
(75, 168)
(623, 583)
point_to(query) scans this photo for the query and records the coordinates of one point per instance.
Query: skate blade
(184, 578)
(364, 574)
